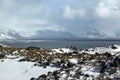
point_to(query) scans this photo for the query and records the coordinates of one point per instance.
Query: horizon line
(82, 39)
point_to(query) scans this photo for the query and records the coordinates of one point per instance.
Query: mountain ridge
(46, 34)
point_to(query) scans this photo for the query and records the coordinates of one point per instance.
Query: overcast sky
(72, 16)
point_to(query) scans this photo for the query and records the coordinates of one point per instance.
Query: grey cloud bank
(64, 18)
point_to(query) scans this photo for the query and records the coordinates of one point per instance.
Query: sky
(78, 18)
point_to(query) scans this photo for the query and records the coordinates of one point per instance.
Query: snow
(10, 69)
(15, 52)
(73, 60)
(90, 70)
(91, 50)
(95, 74)
(102, 50)
(14, 57)
(64, 76)
(62, 50)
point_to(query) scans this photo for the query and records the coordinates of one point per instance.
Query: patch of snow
(81, 77)
(11, 56)
(90, 70)
(102, 50)
(15, 52)
(62, 50)
(50, 53)
(64, 76)
(73, 60)
(95, 74)
(72, 73)
(10, 69)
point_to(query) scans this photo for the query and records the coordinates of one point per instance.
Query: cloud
(108, 8)
(81, 18)
(73, 13)
(22, 15)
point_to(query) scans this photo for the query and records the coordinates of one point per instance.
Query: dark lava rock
(42, 77)
(33, 79)
(32, 48)
(113, 47)
(24, 59)
(2, 56)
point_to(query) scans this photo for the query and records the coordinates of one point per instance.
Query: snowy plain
(11, 69)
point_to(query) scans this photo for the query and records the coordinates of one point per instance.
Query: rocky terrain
(33, 63)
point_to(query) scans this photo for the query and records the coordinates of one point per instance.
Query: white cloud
(108, 8)
(73, 13)
(21, 15)
(56, 15)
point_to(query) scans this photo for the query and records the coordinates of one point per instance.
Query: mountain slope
(87, 32)
(6, 33)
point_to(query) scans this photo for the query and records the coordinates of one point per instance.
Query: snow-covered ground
(108, 49)
(63, 50)
(11, 69)
(112, 49)
(63, 64)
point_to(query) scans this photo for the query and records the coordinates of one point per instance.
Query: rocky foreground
(100, 63)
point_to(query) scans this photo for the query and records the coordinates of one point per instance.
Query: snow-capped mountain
(6, 33)
(90, 32)
(87, 32)
(52, 34)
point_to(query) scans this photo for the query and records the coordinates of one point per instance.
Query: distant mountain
(9, 34)
(52, 34)
(86, 33)
(89, 32)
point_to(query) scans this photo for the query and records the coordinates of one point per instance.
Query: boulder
(2, 56)
(33, 79)
(33, 48)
